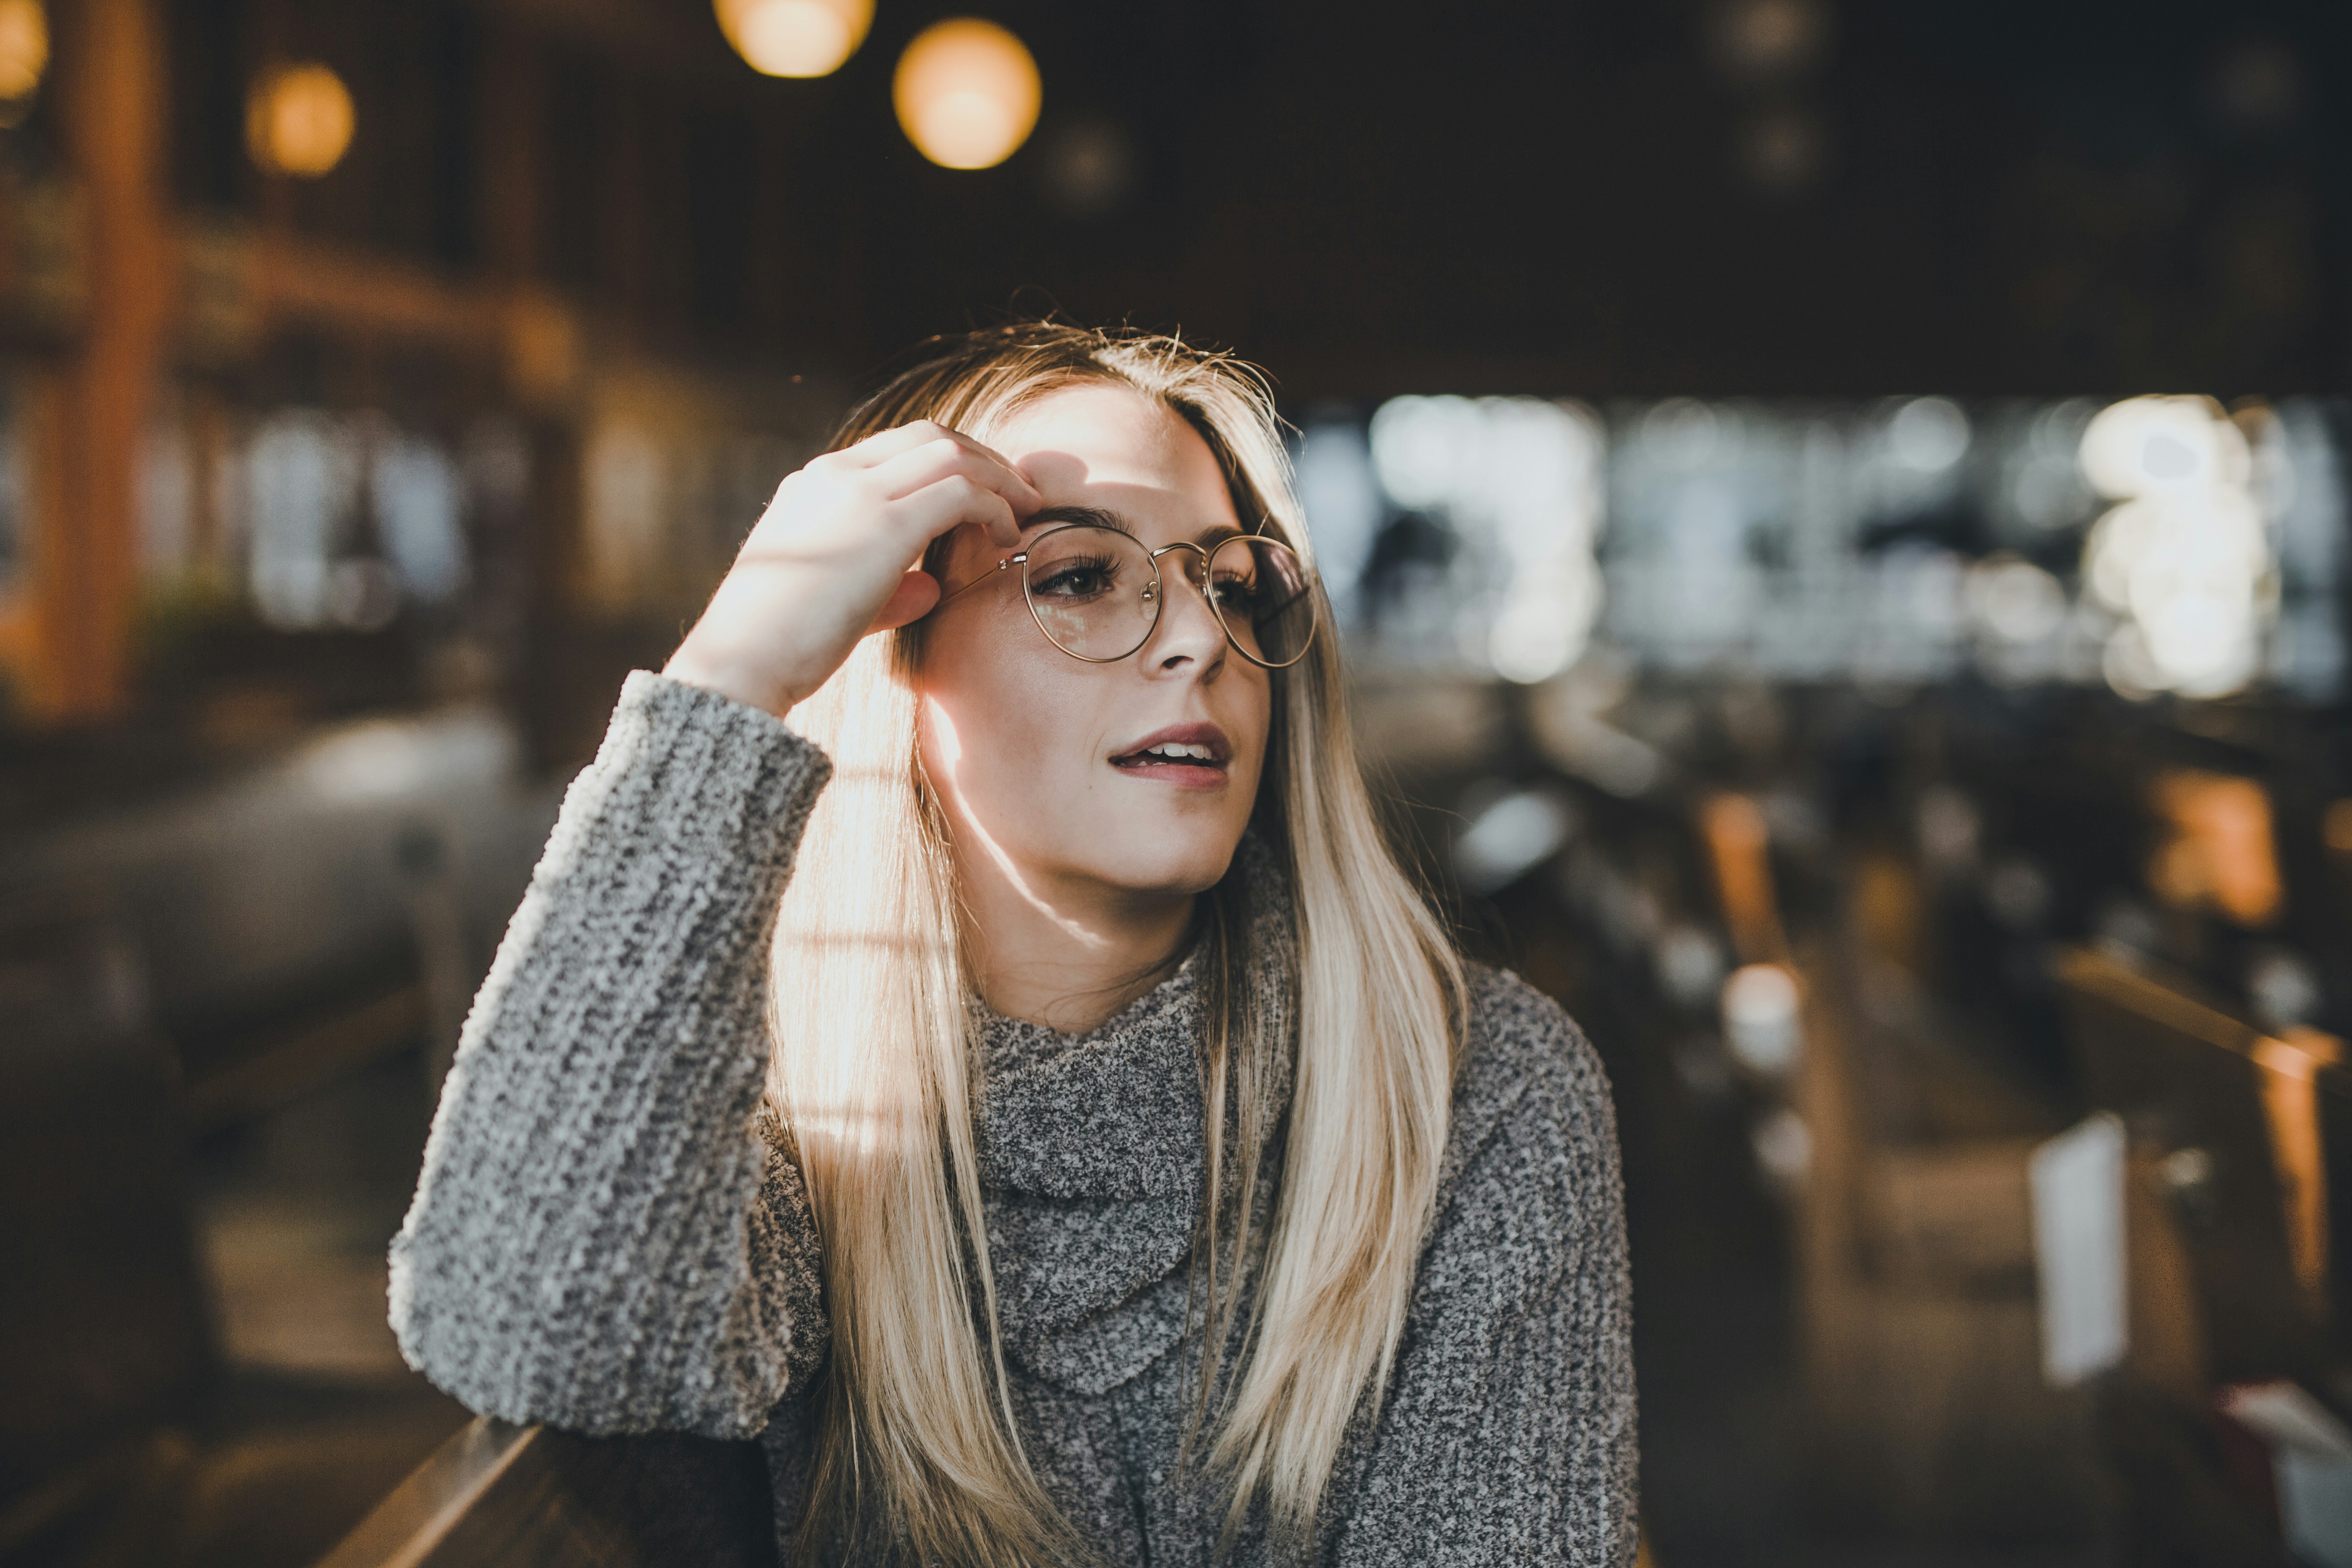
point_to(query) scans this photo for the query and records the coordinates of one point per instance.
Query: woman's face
(1041, 759)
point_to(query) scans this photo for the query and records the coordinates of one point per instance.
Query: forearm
(580, 1247)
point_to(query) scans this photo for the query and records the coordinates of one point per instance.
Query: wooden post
(85, 553)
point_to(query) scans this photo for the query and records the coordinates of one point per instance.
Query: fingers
(878, 450)
(957, 499)
(910, 601)
(932, 462)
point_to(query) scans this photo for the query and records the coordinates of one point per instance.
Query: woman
(1063, 1137)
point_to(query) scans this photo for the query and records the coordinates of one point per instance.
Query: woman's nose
(1189, 629)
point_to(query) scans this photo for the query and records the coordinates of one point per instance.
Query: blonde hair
(919, 1451)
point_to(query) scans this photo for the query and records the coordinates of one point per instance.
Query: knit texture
(607, 1238)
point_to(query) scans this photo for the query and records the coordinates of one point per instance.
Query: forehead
(1114, 448)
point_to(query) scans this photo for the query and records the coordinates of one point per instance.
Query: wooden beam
(288, 1069)
(530, 1497)
(297, 279)
(111, 87)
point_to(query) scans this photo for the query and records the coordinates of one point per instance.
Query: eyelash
(1102, 564)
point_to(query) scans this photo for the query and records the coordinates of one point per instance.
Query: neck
(1067, 955)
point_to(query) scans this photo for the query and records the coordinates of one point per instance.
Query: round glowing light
(300, 120)
(1761, 1017)
(1769, 40)
(2186, 557)
(2014, 600)
(795, 38)
(1928, 434)
(967, 93)
(2147, 446)
(24, 47)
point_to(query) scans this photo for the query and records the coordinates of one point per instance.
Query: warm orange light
(2335, 826)
(24, 47)
(2221, 851)
(795, 38)
(967, 93)
(1740, 841)
(299, 120)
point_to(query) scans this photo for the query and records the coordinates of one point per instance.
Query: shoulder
(1526, 1065)
(1532, 1157)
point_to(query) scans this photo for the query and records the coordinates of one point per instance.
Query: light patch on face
(939, 724)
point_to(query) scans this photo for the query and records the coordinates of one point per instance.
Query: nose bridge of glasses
(1194, 569)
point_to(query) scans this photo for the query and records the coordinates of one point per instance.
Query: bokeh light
(967, 93)
(24, 49)
(300, 120)
(2185, 560)
(1512, 835)
(1760, 1010)
(1090, 167)
(1764, 41)
(1929, 434)
(2014, 600)
(795, 38)
(1520, 476)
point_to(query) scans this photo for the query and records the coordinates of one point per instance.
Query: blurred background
(1838, 514)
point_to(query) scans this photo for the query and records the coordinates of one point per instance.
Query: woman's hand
(836, 556)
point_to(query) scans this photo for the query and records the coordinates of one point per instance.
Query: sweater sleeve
(601, 1238)
(1508, 1434)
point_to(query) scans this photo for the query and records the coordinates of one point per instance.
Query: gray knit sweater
(606, 1237)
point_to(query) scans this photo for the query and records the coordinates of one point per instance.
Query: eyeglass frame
(1206, 588)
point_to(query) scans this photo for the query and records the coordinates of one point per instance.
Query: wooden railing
(2252, 1129)
(530, 1496)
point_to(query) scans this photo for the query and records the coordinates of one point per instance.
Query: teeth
(1178, 749)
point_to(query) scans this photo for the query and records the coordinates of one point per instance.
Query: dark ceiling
(2000, 195)
(1977, 195)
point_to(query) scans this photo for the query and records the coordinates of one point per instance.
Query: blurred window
(2157, 544)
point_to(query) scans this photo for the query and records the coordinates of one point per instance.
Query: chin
(1180, 863)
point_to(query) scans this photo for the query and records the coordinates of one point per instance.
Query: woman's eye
(1074, 582)
(1241, 591)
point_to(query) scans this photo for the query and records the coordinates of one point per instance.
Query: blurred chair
(500, 1496)
(2241, 1145)
(125, 1435)
(105, 1351)
(1921, 1340)
(1914, 1242)
(1915, 1246)
(2236, 1122)
(313, 910)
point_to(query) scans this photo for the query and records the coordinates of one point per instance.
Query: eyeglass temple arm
(984, 576)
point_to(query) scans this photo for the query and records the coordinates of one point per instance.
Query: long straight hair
(919, 1454)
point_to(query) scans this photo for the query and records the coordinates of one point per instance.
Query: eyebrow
(1103, 516)
(1094, 516)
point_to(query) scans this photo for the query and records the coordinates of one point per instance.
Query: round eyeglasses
(1096, 592)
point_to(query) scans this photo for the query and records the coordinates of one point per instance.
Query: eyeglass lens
(1094, 593)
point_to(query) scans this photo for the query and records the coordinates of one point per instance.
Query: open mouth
(1174, 757)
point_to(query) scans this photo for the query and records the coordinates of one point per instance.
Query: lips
(1180, 752)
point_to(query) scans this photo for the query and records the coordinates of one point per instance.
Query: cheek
(1259, 717)
(997, 716)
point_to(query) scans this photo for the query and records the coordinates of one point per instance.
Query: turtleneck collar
(1092, 1161)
